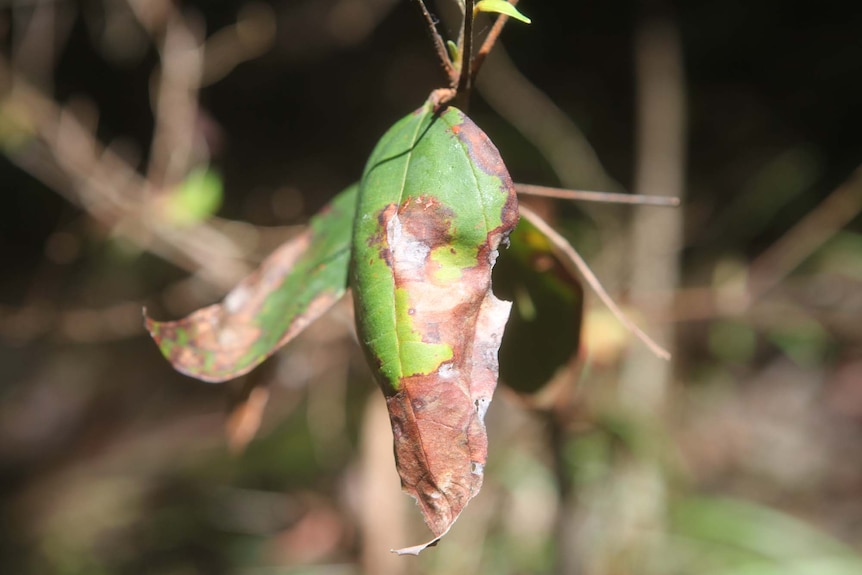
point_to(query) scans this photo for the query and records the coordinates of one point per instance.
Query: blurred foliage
(197, 198)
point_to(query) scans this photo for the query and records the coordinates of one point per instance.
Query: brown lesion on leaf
(441, 445)
(427, 218)
(482, 151)
(440, 440)
(379, 239)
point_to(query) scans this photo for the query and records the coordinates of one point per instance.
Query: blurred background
(155, 151)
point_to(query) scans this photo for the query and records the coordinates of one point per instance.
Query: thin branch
(439, 44)
(604, 197)
(65, 154)
(815, 229)
(571, 257)
(175, 104)
(489, 42)
(465, 82)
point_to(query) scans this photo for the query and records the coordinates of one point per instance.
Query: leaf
(501, 7)
(547, 300)
(294, 286)
(196, 199)
(435, 202)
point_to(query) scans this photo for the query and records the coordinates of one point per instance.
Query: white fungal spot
(477, 468)
(408, 251)
(446, 371)
(235, 300)
(482, 407)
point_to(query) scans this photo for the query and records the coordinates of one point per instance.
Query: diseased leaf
(292, 287)
(547, 300)
(435, 202)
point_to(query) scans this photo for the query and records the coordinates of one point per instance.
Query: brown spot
(425, 217)
(510, 214)
(483, 152)
(379, 239)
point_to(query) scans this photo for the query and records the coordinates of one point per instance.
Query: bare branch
(439, 44)
(604, 197)
(816, 228)
(65, 154)
(176, 103)
(465, 81)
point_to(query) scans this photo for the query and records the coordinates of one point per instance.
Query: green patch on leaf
(451, 261)
(417, 357)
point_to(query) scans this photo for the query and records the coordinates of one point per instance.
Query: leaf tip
(415, 550)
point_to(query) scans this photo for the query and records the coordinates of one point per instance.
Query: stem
(439, 44)
(589, 196)
(465, 82)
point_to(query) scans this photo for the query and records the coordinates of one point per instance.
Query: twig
(489, 42)
(604, 197)
(465, 82)
(817, 227)
(66, 156)
(579, 266)
(176, 104)
(439, 45)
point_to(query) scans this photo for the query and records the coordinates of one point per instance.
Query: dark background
(110, 462)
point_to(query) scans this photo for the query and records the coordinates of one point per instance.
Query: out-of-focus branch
(657, 234)
(251, 36)
(745, 293)
(60, 150)
(837, 210)
(639, 513)
(176, 104)
(60, 147)
(542, 123)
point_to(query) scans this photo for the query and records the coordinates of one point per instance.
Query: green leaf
(294, 286)
(435, 202)
(500, 7)
(196, 199)
(454, 52)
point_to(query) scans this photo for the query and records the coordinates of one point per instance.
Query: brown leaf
(441, 445)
